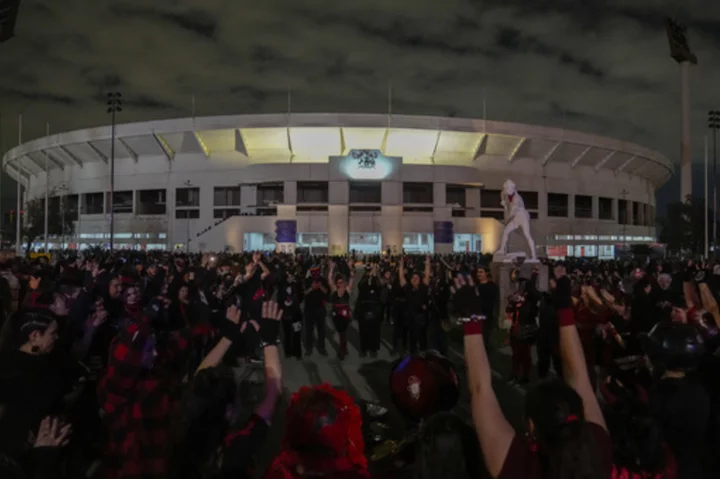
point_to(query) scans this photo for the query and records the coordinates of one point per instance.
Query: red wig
(323, 434)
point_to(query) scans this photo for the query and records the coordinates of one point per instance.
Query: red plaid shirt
(139, 406)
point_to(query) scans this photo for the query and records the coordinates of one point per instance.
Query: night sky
(600, 66)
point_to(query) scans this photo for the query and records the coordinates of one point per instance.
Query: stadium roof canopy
(315, 137)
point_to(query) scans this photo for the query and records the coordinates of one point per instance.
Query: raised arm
(494, 431)
(401, 273)
(213, 358)
(351, 279)
(269, 332)
(571, 351)
(331, 277)
(263, 267)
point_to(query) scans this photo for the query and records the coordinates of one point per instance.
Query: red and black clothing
(341, 315)
(240, 446)
(138, 406)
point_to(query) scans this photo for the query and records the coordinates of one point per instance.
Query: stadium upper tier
(313, 138)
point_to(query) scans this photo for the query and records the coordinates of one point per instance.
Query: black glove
(269, 331)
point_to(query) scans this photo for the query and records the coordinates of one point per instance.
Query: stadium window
(557, 205)
(226, 196)
(490, 198)
(530, 198)
(270, 193)
(583, 206)
(151, 202)
(187, 214)
(93, 204)
(222, 213)
(187, 197)
(122, 201)
(605, 209)
(365, 192)
(312, 192)
(417, 193)
(622, 212)
(636, 209)
(455, 195)
(649, 215)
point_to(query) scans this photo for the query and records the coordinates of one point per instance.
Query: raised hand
(270, 323)
(52, 433)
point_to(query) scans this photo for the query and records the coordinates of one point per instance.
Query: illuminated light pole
(714, 125)
(680, 51)
(188, 184)
(114, 105)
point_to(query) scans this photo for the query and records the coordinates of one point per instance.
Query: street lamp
(714, 125)
(188, 184)
(62, 189)
(114, 105)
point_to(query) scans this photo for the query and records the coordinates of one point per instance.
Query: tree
(33, 221)
(683, 226)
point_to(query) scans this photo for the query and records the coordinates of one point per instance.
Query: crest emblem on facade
(413, 388)
(365, 158)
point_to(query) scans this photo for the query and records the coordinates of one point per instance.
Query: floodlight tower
(680, 51)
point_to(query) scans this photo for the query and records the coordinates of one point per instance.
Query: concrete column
(338, 223)
(290, 192)
(170, 199)
(542, 201)
(439, 194)
(248, 199)
(472, 202)
(391, 228)
(616, 210)
(595, 207)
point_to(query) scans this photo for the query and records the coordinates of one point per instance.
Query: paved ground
(366, 379)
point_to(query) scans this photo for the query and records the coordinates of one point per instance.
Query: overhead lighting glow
(316, 143)
(459, 142)
(363, 139)
(259, 140)
(411, 143)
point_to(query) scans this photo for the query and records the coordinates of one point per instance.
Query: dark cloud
(601, 67)
(39, 97)
(195, 21)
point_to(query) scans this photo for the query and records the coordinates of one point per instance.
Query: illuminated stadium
(342, 182)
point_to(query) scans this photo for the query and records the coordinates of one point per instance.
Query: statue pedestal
(502, 267)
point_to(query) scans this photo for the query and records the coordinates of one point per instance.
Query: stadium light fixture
(681, 53)
(114, 106)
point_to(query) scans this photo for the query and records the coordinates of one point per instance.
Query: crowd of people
(125, 365)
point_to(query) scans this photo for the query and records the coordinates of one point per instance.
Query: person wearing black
(679, 404)
(548, 339)
(289, 298)
(397, 301)
(439, 315)
(315, 297)
(416, 306)
(340, 311)
(368, 310)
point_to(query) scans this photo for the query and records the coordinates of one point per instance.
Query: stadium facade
(339, 182)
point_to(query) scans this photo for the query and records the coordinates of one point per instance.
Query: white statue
(516, 216)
